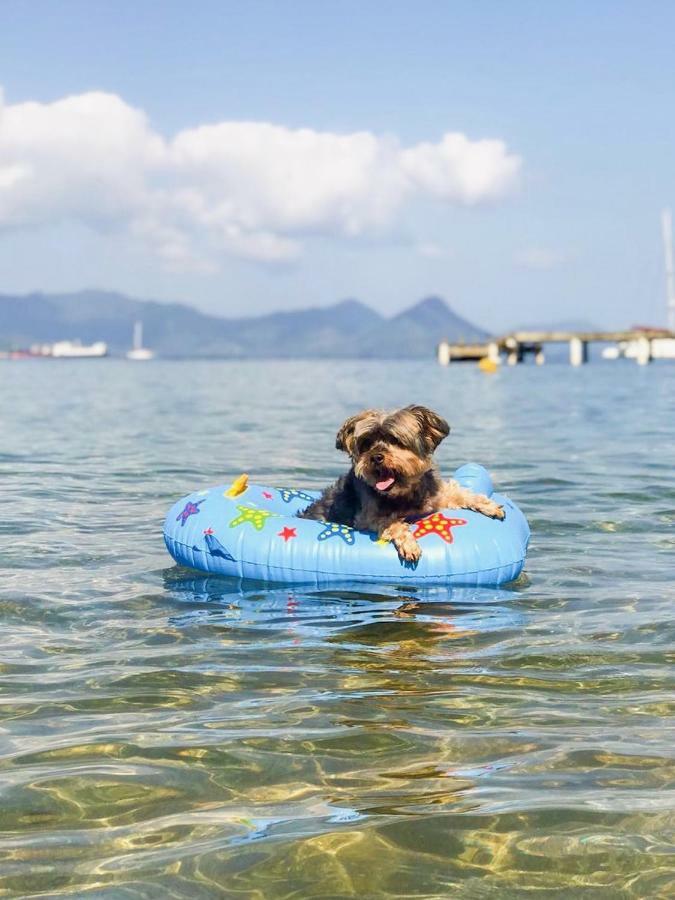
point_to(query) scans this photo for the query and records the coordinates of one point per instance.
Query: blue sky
(564, 222)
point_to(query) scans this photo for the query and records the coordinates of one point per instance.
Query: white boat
(76, 350)
(138, 352)
(661, 347)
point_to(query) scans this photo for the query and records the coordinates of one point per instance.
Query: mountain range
(349, 328)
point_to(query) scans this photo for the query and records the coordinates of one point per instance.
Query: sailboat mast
(667, 228)
(138, 335)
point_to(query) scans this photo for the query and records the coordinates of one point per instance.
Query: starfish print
(331, 529)
(287, 533)
(287, 495)
(208, 530)
(438, 524)
(256, 517)
(190, 509)
(267, 495)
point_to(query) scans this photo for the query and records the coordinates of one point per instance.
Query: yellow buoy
(487, 365)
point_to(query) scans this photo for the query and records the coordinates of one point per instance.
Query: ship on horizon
(138, 352)
(77, 350)
(661, 347)
(59, 350)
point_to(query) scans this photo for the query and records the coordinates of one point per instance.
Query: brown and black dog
(393, 478)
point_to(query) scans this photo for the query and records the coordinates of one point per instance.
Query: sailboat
(661, 347)
(138, 352)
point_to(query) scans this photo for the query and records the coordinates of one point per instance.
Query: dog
(393, 478)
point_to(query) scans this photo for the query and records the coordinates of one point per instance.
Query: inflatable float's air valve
(238, 486)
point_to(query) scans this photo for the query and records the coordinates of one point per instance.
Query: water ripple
(166, 734)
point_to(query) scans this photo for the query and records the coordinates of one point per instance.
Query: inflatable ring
(252, 531)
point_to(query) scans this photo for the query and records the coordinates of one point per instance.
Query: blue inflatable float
(252, 531)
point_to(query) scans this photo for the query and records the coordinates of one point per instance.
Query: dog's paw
(495, 511)
(409, 551)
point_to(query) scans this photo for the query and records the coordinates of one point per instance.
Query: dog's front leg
(399, 534)
(453, 495)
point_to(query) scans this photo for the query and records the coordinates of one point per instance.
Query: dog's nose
(378, 458)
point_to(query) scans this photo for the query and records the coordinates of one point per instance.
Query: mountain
(326, 331)
(346, 329)
(102, 315)
(416, 331)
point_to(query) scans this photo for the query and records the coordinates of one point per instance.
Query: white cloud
(246, 189)
(84, 157)
(459, 170)
(539, 258)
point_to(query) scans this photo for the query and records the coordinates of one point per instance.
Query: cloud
(246, 189)
(461, 171)
(541, 258)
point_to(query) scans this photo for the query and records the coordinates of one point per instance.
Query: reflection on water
(166, 734)
(357, 607)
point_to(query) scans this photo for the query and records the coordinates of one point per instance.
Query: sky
(244, 157)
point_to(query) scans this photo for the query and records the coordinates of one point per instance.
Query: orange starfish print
(438, 524)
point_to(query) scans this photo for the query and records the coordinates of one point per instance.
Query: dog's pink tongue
(384, 485)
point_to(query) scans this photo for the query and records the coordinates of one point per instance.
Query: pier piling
(578, 351)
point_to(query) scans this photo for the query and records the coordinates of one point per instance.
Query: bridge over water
(518, 345)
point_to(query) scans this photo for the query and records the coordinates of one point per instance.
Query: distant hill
(346, 329)
(415, 332)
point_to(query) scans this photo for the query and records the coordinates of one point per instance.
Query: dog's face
(391, 451)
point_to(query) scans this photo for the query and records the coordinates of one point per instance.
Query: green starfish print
(256, 517)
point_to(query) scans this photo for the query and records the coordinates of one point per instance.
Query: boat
(661, 347)
(138, 352)
(59, 350)
(75, 350)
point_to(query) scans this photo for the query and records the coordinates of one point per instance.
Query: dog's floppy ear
(344, 439)
(433, 428)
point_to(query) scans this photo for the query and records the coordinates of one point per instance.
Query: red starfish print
(438, 524)
(208, 530)
(287, 533)
(267, 495)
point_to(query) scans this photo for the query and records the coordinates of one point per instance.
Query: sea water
(165, 734)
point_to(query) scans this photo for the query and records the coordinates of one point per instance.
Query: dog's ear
(432, 427)
(344, 439)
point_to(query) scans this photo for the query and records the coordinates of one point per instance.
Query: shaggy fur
(393, 478)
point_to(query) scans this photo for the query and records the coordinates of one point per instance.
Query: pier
(521, 345)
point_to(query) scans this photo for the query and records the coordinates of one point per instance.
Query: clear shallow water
(164, 734)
